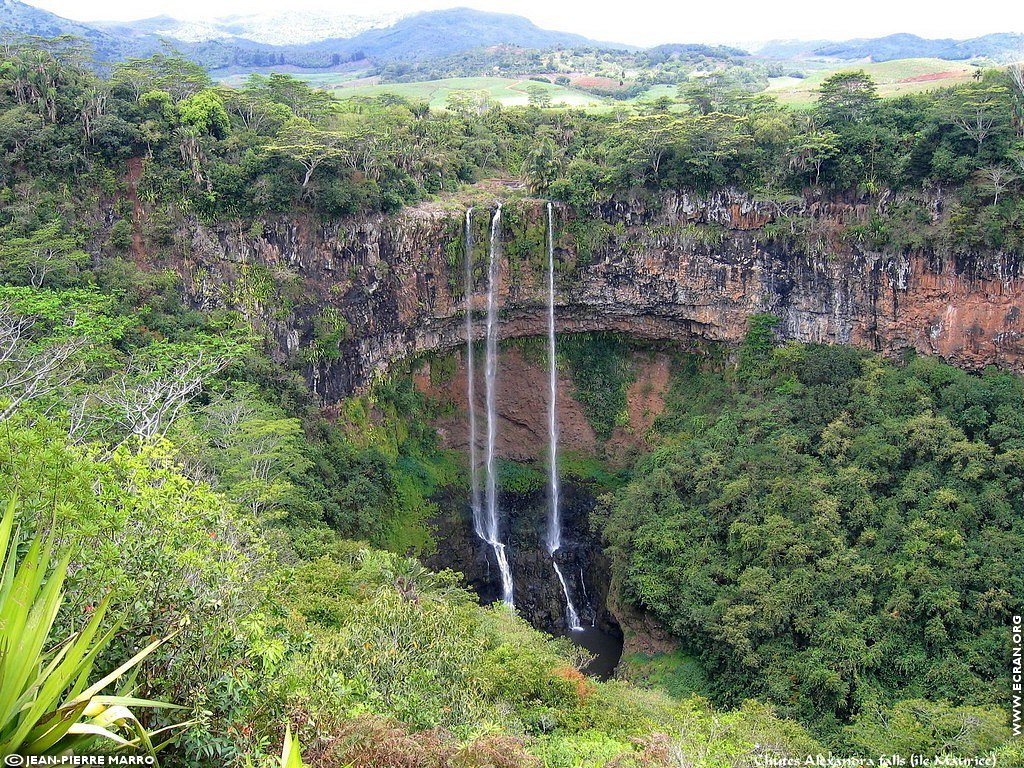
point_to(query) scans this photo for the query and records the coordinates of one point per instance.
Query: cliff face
(522, 407)
(353, 297)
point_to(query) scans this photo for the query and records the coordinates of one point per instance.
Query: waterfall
(554, 537)
(492, 528)
(474, 473)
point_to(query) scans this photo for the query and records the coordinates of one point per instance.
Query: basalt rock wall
(349, 298)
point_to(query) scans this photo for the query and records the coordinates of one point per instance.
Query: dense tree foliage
(276, 144)
(835, 534)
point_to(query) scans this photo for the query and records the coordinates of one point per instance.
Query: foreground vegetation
(374, 660)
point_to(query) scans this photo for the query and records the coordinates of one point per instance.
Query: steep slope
(686, 267)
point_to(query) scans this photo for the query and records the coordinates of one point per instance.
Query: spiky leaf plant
(47, 706)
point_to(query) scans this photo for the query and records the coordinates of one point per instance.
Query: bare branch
(146, 403)
(28, 372)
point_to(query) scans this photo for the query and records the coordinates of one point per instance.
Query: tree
(538, 96)
(30, 370)
(713, 92)
(49, 76)
(309, 146)
(996, 179)
(712, 145)
(177, 75)
(659, 106)
(469, 102)
(205, 112)
(1016, 74)
(157, 384)
(916, 726)
(255, 450)
(305, 102)
(812, 149)
(543, 166)
(643, 142)
(977, 110)
(255, 112)
(18, 126)
(46, 255)
(847, 97)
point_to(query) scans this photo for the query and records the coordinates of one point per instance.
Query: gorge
(681, 267)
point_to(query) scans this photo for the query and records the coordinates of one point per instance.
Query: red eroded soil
(590, 81)
(929, 77)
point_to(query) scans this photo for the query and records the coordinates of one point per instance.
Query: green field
(894, 78)
(507, 91)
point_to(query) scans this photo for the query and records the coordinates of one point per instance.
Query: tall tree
(846, 97)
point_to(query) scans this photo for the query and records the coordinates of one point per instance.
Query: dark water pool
(606, 649)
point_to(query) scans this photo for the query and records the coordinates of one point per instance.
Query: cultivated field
(507, 91)
(894, 78)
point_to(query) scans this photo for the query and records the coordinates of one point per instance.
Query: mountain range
(1003, 46)
(320, 41)
(278, 28)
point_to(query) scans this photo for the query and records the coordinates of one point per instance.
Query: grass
(678, 673)
(507, 91)
(894, 78)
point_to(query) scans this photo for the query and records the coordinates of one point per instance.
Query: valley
(457, 393)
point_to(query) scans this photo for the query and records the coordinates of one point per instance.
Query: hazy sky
(638, 22)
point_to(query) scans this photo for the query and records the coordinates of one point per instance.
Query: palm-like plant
(291, 755)
(47, 706)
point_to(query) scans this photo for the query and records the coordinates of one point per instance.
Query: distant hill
(241, 42)
(318, 42)
(999, 47)
(279, 28)
(23, 19)
(685, 50)
(444, 33)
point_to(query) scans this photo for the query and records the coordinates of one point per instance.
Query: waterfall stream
(474, 469)
(492, 532)
(567, 561)
(554, 537)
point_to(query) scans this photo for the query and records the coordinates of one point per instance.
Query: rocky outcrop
(350, 298)
(538, 595)
(355, 296)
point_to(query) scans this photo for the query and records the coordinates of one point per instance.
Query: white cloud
(639, 22)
